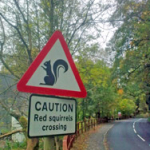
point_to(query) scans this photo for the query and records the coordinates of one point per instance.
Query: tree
(27, 25)
(131, 44)
(96, 78)
(126, 107)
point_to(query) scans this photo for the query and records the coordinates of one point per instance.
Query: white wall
(18, 137)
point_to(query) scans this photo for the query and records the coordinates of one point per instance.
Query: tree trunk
(33, 144)
(57, 141)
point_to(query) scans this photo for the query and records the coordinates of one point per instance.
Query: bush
(142, 115)
(14, 145)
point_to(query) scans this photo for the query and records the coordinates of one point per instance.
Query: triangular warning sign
(53, 72)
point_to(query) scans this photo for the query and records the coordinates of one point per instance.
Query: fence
(82, 127)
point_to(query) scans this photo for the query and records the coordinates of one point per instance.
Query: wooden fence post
(82, 127)
(78, 131)
(65, 143)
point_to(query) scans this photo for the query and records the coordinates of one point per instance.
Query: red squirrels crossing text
(57, 122)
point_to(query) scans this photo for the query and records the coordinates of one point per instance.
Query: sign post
(49, 115)
(49, 143)
(53, 72)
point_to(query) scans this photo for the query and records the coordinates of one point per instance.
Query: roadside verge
(97, 141)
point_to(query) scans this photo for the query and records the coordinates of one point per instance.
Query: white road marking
(136, 132)
(141, 138)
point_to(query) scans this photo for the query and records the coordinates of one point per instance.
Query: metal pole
(49, 143)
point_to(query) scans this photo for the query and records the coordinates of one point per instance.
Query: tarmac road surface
(130, 134)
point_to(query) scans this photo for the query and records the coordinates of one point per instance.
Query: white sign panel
(51, 116)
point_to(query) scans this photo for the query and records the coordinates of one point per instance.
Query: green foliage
(5, 130)
(101, 93)
(126, 107)
(14, 145)
(24, 124)
(30, 27)
(131, 43)
(143, 115)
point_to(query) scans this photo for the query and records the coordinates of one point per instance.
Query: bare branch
(82, 24)
(3, 32)
(6, 66)
(21, 37)
(131, 72)
(1, 52)
(12, 113)
(16, 3)
(11, 133)
(74, 51)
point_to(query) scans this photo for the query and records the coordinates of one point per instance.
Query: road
(131, 134)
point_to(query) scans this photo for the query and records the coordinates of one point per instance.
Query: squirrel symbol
(52, 74)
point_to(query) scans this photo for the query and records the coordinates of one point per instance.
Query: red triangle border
(22, 87)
